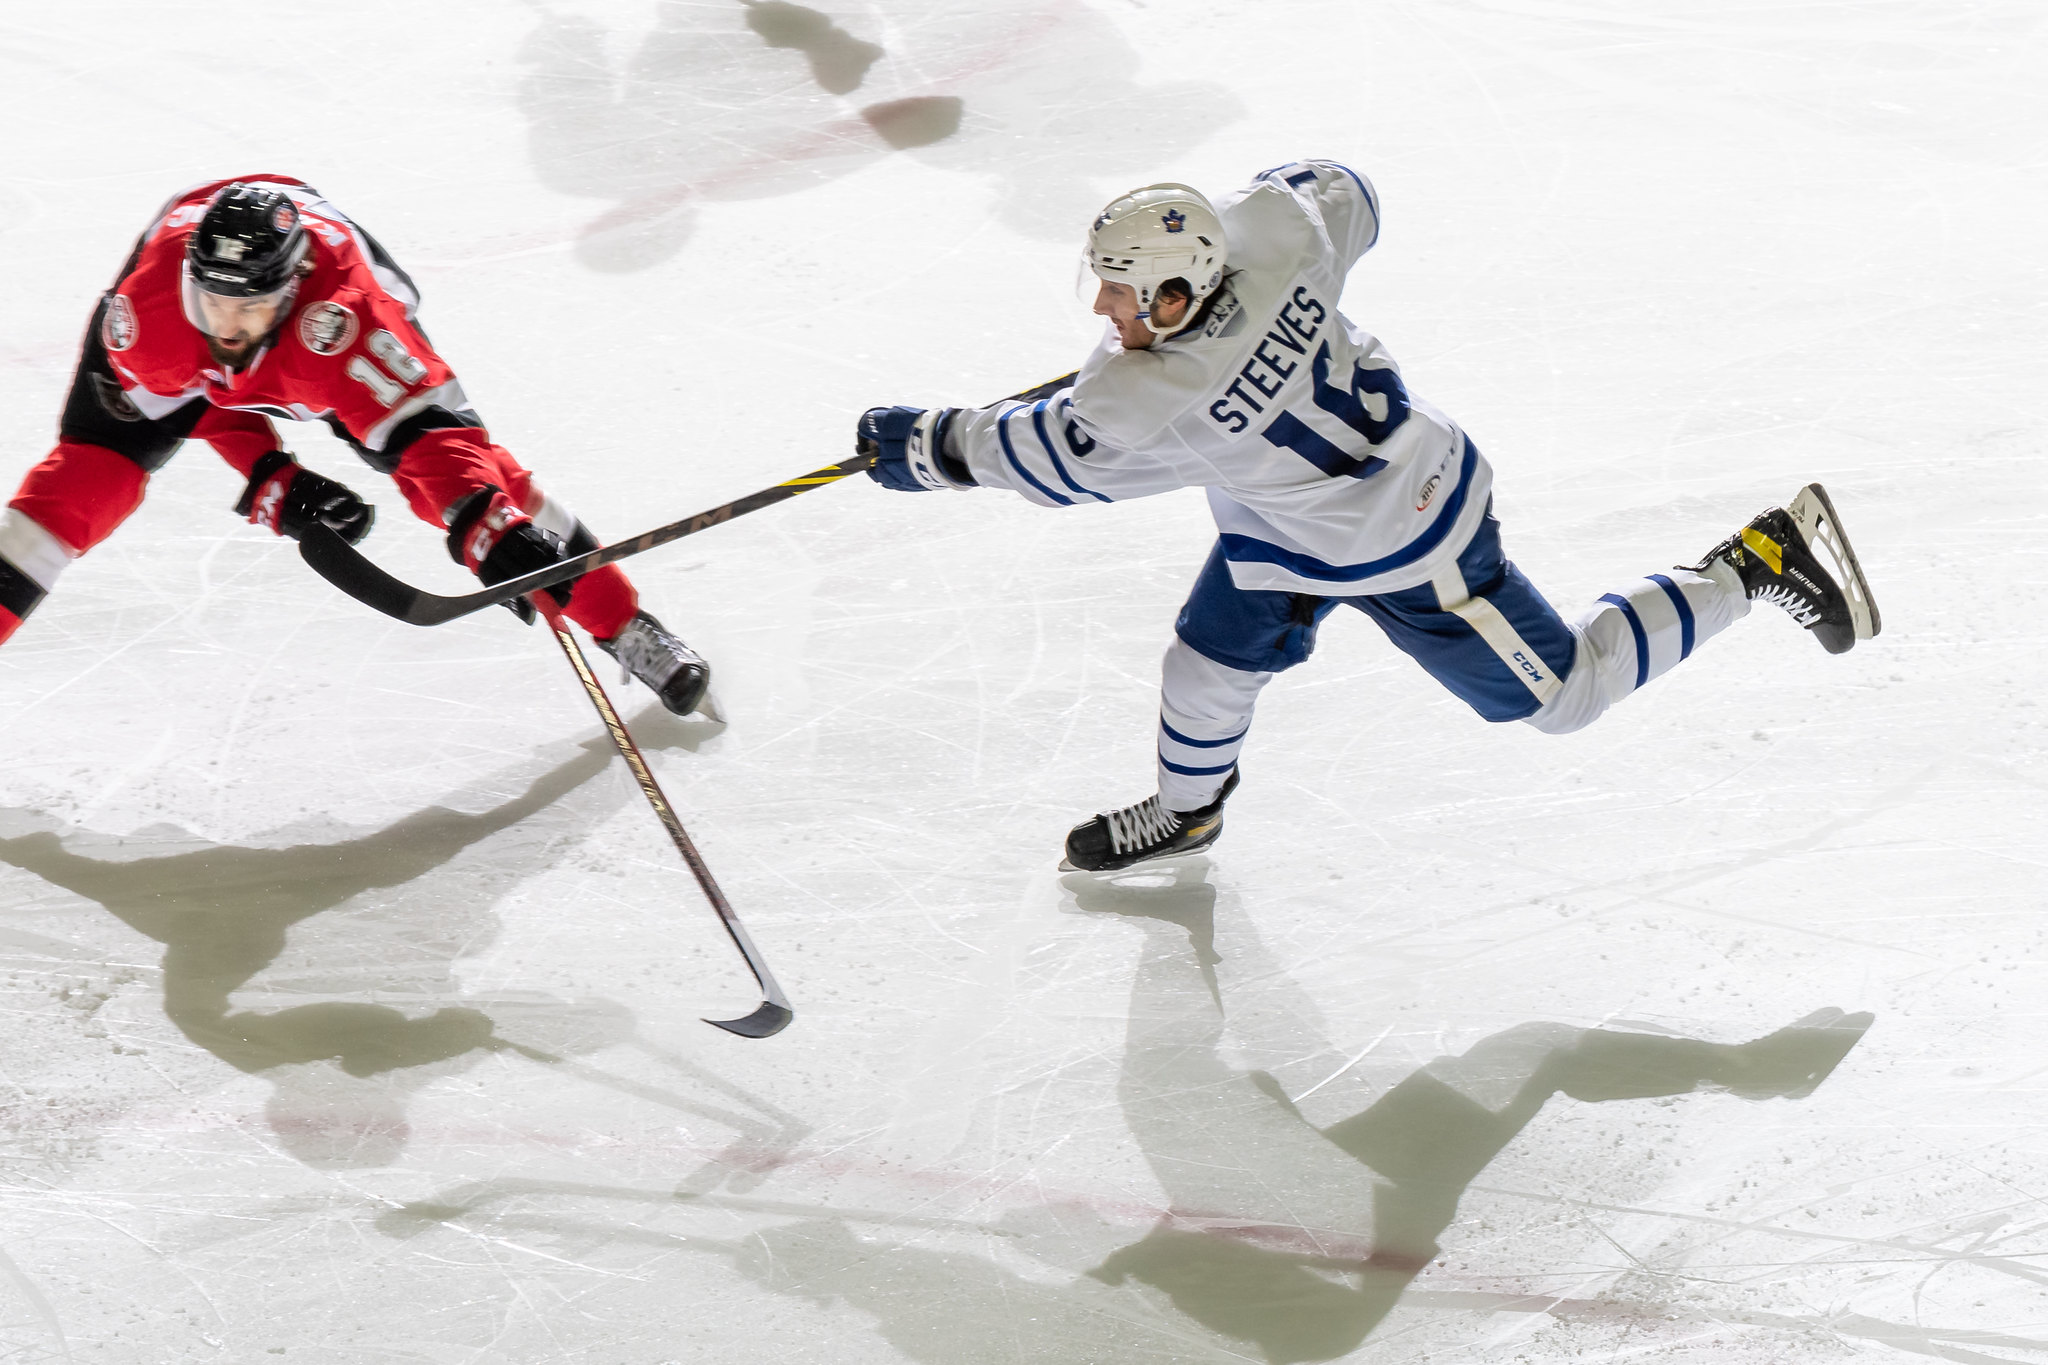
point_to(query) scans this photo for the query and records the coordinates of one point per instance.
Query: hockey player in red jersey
(256, 298)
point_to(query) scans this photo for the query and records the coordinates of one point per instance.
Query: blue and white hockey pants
(1480, 628)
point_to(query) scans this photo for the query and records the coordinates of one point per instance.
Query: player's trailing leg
(1798, 558)
(1118, 839)
(649, 651)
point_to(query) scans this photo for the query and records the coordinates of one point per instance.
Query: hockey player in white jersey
(1226, 365)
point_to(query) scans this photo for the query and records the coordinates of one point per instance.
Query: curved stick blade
(764, 1022)
(341, 564)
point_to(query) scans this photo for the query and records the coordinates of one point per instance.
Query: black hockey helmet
(249, 242)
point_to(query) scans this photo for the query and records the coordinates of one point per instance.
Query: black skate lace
(1796, 604)
(1134, 827)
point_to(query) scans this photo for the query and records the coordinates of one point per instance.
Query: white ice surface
(352, 994)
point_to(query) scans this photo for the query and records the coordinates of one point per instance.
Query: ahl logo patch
(1175, 220)
(327, 328)
(283, 216)
(117, 328)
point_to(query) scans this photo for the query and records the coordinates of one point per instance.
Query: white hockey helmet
(1155, 234)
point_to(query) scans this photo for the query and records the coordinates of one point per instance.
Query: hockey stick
(774, 1013)
(341, 564)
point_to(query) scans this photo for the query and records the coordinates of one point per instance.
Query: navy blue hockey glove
(287, 497)
(492, 537)
(909, 446)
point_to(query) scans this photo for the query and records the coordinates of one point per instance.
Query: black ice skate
(1798, 558)
(649, 652)
(1116, 839)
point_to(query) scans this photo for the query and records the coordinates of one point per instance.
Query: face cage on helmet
(192, 297)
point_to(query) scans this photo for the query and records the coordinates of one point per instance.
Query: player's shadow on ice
(1299, 1240)
(1282, 1237)
(418, 894)
(750, 99)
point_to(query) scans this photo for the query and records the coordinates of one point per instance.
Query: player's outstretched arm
(1050, 452)
(1035, 444)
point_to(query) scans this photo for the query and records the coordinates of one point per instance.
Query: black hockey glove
(288, 497)
(494, 538)
(909, 446)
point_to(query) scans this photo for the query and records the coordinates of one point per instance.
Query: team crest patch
(327, 328)
(1175, 220)
(283, 216)
(117, 328)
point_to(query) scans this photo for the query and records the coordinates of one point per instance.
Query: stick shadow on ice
(1300, 1240)
(416, 895)
(752, 99)
(764, 1137)
(1292, 1239)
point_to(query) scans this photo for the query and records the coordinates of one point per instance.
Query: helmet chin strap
(1145, 317)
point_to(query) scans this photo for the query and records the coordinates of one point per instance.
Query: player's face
(235, 327)
(1119, 303)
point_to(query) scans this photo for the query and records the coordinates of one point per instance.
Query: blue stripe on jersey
(1684, 609)
(1058, 466)
(1370, 201)
(1635, 624)
(1300, 178)
(1010, 454)
(1246, 550)
(1196, 772)
(1178, 738)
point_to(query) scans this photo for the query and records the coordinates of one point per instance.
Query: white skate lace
(1801, 608)
(649, 653)
(1135, 827)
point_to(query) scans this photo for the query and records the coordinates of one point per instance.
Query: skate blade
(707, 706)
(1145, 865)
(1815, 516)
(1200, 850)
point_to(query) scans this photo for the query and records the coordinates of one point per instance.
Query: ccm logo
(1428, 492)
(270, 504)
(1528, 666)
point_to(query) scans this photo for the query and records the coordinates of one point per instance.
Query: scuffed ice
(353, 996)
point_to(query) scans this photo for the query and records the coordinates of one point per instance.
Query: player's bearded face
(235, 327)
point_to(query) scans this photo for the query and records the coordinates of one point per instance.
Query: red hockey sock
(603, 602)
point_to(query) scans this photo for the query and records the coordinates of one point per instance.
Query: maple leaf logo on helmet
(1175, 220)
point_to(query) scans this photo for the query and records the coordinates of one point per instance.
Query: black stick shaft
(774, 1014)
(339, 562)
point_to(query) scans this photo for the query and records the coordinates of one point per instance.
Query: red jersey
(349, 354)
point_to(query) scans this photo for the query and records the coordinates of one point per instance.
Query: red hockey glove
(490, 535)
(287, 497)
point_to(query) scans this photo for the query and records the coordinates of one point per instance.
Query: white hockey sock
(1205, 709)
(33, 551)
(1642, 632)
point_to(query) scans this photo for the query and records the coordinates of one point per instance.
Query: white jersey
(1324, 475)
